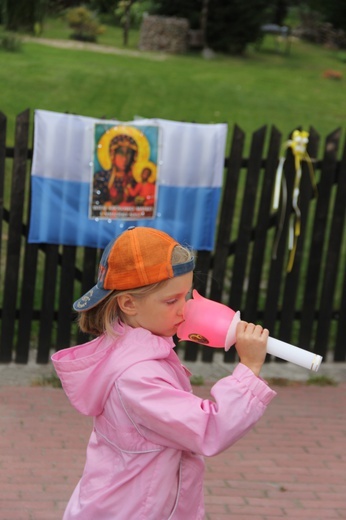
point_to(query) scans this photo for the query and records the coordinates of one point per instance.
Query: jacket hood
(87, 372)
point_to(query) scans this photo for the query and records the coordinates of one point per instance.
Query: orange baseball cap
(138, 257)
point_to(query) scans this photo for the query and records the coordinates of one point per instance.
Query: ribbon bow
(298, 145)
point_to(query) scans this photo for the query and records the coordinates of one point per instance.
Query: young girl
(145, 454)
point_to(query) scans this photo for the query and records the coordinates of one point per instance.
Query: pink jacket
(145, 454)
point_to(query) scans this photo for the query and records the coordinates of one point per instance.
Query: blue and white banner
(189, 165)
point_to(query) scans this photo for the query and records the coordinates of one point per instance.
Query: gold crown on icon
(123, 140)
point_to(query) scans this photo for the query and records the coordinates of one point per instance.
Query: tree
(230, 24)
(124, 11)
(279, 12)
(103, 6)
(189, 9)
(22, 14)
(333, 11)
(233, 24)
(131, 11)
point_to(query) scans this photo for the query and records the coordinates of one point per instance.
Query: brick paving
(291, 466)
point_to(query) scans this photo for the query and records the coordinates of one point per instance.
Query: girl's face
(161, 311)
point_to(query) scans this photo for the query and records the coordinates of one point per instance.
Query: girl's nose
(181, 308)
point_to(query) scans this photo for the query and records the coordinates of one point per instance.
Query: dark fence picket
(246, 220)
(292, 281)
(234, 164)
(3, 125)
(261, 229)
(66, 296)
(27, 303)
(308, 296)
(278, 263)
(200, 284)
(245, 226)
(222, 251)
(218, 265)
(87, 279)
(11, 283)
(330, 270)
(48, 303)
(287, 279)
(317, 241)
(340, 350)
(90, 266)
(26, 308)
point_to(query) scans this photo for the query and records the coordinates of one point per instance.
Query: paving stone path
(291, 466)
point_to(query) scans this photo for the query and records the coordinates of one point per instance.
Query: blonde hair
(101, 318)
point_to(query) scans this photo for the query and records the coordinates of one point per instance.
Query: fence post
(3, 123)
(317, 240)
(292, 278)
(48, 303)
(14, 235)
(277, 263)
(262, 226)
(234, 165)
(340, 349)
(246, 219)
(222, 249)
(88, 280)
(66, 296)
(329, 273)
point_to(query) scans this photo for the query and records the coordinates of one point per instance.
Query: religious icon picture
(125, 172)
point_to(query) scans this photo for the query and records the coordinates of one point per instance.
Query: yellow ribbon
(297, 144)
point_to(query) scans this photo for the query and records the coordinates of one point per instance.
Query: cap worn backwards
(140, 256)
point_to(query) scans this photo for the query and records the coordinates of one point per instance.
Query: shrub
(84, 24)
(10, 42)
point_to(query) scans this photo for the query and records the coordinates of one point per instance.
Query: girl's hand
(251, 345)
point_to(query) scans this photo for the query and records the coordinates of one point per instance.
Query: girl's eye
(170, 302)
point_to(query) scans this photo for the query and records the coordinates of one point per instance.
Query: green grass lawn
(262, 88)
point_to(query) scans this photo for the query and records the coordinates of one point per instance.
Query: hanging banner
(89, 179)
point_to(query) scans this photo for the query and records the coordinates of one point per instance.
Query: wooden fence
(306, 306)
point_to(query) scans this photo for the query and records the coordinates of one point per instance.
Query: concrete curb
(13, 374)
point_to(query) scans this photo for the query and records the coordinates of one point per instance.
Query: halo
(138, 168)
(103, 144)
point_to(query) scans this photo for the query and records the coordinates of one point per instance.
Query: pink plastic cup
(208, 322)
